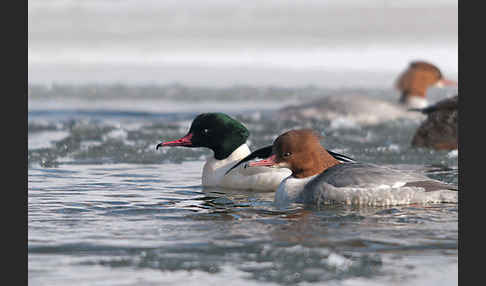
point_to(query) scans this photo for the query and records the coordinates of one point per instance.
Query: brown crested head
(418, 77)
(301, 151)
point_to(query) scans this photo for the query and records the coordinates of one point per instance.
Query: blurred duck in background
(416, 79)
(439, 130)
(365, 110)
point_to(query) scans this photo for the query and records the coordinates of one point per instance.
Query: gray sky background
(228, 42)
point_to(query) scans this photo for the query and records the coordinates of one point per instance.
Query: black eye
(286, 154)
(205, 131)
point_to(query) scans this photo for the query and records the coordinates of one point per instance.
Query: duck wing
(431, 186)
(360, 174)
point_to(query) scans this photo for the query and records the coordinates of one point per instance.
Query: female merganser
(226, 137)
(416, 79)
(412, 83)
(439, 130)
(318, 178)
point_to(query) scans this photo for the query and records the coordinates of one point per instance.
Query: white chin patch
(416, 102)
(282, 165)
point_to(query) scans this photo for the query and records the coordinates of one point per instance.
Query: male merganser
(412, 83)
(226, 137)
(318, 178)
(439, 130)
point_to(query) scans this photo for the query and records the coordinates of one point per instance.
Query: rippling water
(106, 208)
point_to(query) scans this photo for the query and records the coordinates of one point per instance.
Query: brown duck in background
(416, 79)
(439, 130)
(365, 110)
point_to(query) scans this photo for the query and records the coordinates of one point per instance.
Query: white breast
(289, 189)
(242, 177)
(416, 102)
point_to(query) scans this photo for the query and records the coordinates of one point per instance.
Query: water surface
(106, 208)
